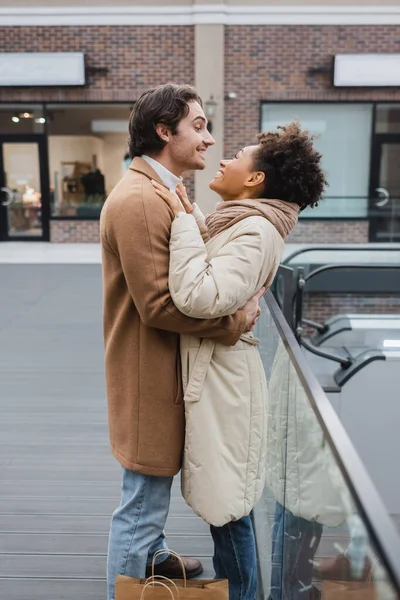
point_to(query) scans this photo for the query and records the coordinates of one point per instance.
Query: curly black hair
(291, 165)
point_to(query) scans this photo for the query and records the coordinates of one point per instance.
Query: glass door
(24, 188)
(385, 189)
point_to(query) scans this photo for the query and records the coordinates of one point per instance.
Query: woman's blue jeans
(235, 558)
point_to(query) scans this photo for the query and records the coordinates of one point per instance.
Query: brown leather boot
(172, 568)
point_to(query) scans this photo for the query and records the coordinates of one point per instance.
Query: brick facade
(67, 232)
(330, 232)
(262, 63)
(320, 307)
(272, 63)
(136, 58)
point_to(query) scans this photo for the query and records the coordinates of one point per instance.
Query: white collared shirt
(168, 178)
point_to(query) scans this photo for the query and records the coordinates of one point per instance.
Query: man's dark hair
(291, 165)
(166, 104)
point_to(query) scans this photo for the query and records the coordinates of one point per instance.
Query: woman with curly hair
(216, 264)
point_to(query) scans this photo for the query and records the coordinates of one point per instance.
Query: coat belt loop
(199, 371)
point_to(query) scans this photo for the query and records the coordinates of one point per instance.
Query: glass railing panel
(318, 535)
(356, 306)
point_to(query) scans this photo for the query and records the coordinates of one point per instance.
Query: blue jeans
(137, 526)
(235, 558)
(294, 544)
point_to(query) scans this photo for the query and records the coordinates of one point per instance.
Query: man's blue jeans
(137, 526)
(294, 544)
(235, 558)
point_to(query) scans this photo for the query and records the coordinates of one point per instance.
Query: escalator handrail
(393, 246)
(344, 266)
(380, 527)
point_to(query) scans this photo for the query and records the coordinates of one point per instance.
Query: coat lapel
(141, 166)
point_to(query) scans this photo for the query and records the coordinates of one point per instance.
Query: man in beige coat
(168, 135)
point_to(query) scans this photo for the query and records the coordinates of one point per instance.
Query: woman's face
(236, 178)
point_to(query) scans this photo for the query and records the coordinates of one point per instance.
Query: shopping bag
(348, 590)
(157, 587)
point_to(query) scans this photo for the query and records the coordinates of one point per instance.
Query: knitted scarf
(282, 215)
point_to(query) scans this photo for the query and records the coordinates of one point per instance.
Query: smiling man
(168, 135)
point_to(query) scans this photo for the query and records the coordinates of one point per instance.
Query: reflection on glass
(312, 541)
(22, 178)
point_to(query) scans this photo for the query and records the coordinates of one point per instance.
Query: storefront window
(22, 119)
(387, 118)
(87, 155)
(344, 139)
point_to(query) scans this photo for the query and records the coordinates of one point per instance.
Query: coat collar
(168, 178)
(141, 166)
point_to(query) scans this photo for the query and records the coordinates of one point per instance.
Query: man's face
(187, 147)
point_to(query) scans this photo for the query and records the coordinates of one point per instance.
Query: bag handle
(153, 581)
(159, 553)
(151, 584)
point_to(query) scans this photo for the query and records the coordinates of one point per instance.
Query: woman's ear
(256, 178)
(163, 132)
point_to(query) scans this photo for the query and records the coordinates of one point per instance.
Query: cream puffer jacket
(223, 469)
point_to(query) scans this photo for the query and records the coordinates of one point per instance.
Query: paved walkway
(59, 483)
(46, 253)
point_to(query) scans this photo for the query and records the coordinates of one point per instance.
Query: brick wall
(330, 232)
(63, 232)
(261, 63)
(269, 63)
(136, 58)
(320, 307)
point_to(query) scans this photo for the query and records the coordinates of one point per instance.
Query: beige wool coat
(142, 327)
(225, 388)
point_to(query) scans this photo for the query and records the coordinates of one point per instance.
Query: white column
(209, 81)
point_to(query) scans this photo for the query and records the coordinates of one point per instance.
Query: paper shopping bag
(127, 588)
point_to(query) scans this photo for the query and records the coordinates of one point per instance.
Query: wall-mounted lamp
(210, 107)
(209, 110)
